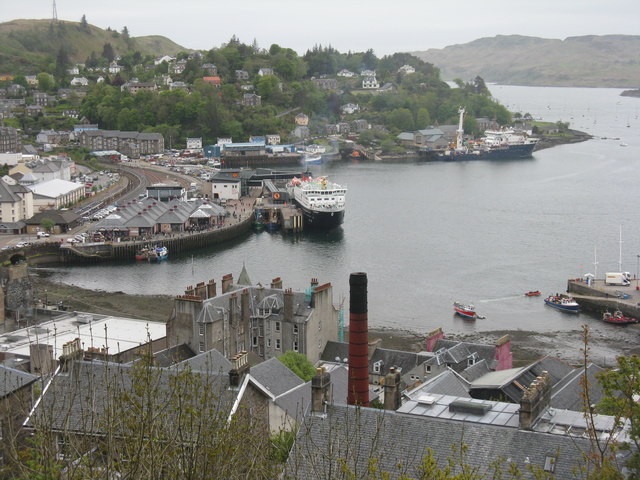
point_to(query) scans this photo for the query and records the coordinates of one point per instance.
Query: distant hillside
(588, 61)
(27, 45)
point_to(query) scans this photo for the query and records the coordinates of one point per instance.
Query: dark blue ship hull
(511, 152)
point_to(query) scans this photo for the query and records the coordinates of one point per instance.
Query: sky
(387, 26)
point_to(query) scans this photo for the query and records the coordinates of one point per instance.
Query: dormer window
(377, 366)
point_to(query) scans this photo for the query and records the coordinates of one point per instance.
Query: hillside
(587, 61)
(27, 45)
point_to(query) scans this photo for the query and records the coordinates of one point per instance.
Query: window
(201, 347)
(255, 341)
(277, 344)
(295, 345)
(427, 369)
(295, 328)
(549, 463)
(201, 328)
(376, 366)
(277, 326)
(268, 342)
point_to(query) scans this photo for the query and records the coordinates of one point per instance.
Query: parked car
(42, 234)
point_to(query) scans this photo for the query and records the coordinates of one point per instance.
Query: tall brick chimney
(201, 290)
(504, 359)
(358, 385)
(535, 401)
(320, 390)
(276, 283)
(392, 390)
(227, 281)
(211, 289)
(288, 305)
(433, 337)
(239, 367)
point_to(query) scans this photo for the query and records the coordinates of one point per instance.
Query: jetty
(596, 297)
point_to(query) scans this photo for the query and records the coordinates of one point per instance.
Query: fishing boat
(142, 254)
(562, 302)
(533, 293)
(312, 159)
(158, 254)
(322, 202)
(617, 318)
(465, 310)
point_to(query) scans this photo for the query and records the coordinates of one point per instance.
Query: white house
(194, 144)
(406, 69)
(346, 73)
(265, 71)
(79, 82)
(114, 67)
(370, 83)
(368, 73)
(164, 58)
(350, 108)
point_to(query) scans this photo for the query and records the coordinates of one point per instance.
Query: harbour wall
(598, 297)
(54, 253)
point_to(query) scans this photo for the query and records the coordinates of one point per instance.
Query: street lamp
(637, 265)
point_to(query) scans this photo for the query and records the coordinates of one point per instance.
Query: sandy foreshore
(526, 346)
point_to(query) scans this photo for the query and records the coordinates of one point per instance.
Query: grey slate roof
(567, 393)
(351, 436)
(488, 352)
(446, 383)
(172, 355)
(389, 358)
(476, 370)
(211, 361)
(275, 376)
(12, 380)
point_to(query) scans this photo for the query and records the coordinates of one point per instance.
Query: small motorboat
(617, 318)
(465, 310)
(533, 293)
(562, 302)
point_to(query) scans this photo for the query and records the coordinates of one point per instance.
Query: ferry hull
(321, 220)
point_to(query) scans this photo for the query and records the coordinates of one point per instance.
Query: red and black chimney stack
(358, 341)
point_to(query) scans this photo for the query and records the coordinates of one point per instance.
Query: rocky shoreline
(526, 346)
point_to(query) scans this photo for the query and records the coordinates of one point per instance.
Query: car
(72, 240)
(42, 234)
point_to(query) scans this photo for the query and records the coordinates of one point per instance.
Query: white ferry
(322, 202)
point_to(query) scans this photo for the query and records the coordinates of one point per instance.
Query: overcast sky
(387, 26)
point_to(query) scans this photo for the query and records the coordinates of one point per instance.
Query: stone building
(132, 144)
(266, 321)
(10, 140)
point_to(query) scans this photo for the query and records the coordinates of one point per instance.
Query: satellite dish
(338, 359)
(346, 360)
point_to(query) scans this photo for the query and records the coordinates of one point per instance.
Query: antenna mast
(54, 18)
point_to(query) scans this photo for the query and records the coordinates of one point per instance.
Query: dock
(596, 297)
(289, 218)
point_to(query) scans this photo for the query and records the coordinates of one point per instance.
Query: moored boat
(158, 254)
(142, 254)
(465, 309)
(322, 202)
(617, 318)
(562, 302)
(494, 145)
(312, 159)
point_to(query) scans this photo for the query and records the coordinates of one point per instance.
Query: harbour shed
(226, 186)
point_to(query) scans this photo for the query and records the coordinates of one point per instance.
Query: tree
(47, 224)
(108, 52)
(621, 387)
(46, 82)
(83, 22)
(298, 364)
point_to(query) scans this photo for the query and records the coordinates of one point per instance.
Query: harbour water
(428, 234)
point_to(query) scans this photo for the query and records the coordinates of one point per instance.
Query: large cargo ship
(495, 145)
(322, 202)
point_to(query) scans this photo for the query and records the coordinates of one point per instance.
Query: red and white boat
(617, 318)
(465, 310)
(533, 293)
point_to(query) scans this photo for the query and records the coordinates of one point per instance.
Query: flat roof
(101, 331)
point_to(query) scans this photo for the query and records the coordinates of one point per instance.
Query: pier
(596, 297)
(288, 216)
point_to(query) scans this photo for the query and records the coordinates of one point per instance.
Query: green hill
(26, 46)
(586, 61)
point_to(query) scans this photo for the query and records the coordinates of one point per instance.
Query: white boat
(312, 159)
(322, 202)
